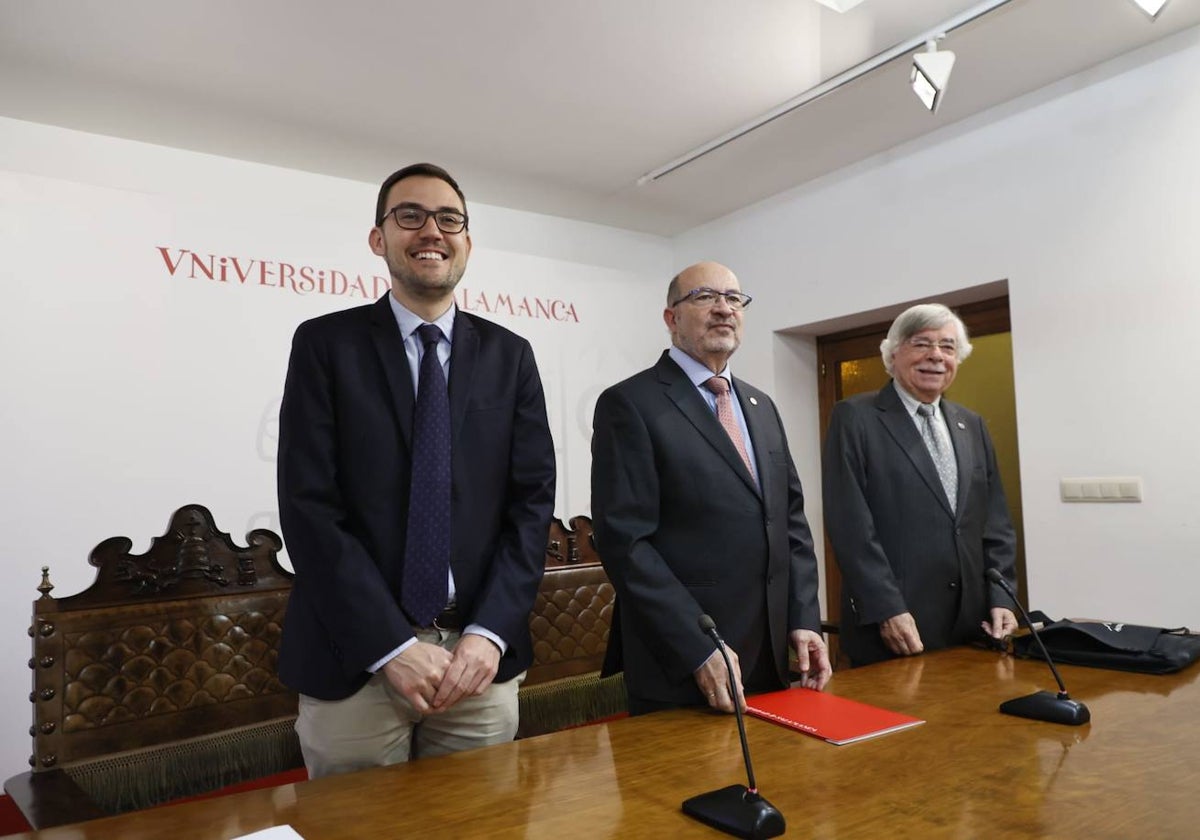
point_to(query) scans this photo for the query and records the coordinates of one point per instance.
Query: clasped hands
(433, 679)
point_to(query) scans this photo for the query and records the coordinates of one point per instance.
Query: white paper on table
(278, 832)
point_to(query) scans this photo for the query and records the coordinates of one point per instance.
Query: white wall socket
(1126, 489)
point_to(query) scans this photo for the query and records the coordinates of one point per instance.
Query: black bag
(1113, 645)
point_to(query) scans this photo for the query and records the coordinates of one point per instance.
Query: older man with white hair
(913, 503)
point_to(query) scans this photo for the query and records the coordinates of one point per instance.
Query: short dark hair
(424, 170)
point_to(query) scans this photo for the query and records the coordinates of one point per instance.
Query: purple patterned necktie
(425, 583)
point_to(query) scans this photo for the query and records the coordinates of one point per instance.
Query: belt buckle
(449, 615)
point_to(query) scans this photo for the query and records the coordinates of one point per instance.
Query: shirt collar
(912, 403)
(408, 321)
(696, 372)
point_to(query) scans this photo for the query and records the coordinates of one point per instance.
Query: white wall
(130, 390)
(1086, 198)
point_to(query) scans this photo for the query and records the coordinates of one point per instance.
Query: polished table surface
(968, 772)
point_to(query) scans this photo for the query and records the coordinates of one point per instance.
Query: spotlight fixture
(1151, 7)
(931, 73)
(897, 51)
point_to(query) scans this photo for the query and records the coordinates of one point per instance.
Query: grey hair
(915, 319)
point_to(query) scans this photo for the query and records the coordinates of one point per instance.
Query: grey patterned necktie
(937, 441)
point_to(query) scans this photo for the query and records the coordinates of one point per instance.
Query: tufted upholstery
(127, 671)
(570, 622)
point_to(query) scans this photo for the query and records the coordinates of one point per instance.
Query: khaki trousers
(376, 726)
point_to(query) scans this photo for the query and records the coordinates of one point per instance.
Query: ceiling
(554, 106)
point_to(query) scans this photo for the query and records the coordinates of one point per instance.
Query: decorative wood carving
(178, 642)
(568, 545)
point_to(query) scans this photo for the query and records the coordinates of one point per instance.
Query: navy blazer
(345, 436)
(899, 546)
(682, 530)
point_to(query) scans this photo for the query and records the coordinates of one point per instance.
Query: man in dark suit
(913, 503)
(698, 509)
(416, 486)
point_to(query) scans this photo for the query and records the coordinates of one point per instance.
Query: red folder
(827, 716)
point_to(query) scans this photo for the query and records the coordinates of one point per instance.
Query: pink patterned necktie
(720, 386)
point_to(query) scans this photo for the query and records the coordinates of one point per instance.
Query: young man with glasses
(913, 503)
(698, 510)
(416, 486)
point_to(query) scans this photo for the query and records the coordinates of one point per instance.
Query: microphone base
(737, 811)
(1053, 708)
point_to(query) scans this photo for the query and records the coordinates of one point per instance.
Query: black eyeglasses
(413, 217)
(704, 298)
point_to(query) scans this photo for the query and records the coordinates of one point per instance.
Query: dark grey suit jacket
(899, 546)
(682, 530)
(345, 437)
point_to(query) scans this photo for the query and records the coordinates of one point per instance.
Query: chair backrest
(175, 644)
(573, 612)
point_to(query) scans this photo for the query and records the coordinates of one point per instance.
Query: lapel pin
(961, 425)
(753, 401)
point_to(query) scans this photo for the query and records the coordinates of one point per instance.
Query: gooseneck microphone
(710, 627)
(736, 809)
(1041, 705)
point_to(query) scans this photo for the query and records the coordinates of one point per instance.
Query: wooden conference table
(969, 772)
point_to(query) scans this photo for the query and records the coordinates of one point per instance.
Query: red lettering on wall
(307, 279)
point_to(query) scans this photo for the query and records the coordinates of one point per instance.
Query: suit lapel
(385, 334)
(899, 424)
(464, 356)
(682, 392)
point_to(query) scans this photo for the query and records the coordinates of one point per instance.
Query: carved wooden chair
(158, 681)
(570, 626)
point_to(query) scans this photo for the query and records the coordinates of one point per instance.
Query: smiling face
(426, 264)
(711, 334)
(926, 373)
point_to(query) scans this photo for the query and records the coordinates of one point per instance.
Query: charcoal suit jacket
(683, 530)
(898, 544)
